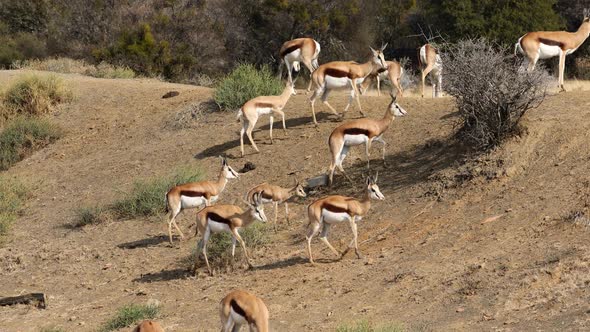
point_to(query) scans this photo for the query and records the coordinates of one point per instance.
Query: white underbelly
(548, 51)
(264, 111)
(359, 80)
(384, 75)
(334, 217)
(188, 202)
(337, 82)
(237, 318)
(355, 139)
(293, 56)
(266, 200)
(217, 227)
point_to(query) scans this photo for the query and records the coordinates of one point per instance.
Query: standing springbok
(341, 75)
(276, 195)
(148, 326)
(296, 51)
(361, 131)
(262, 105)
(430, 62)
(194, 194)
(393, 73)
(229, 219)
(240, 307)
(547, 44)
(335, 209)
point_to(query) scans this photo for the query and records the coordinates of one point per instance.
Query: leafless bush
(189, 115)
(492, 93)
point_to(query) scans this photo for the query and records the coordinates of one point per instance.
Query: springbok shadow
(145, 243)
(282, 264)
(164, 275)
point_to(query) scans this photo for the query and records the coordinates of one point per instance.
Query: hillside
(435, 258)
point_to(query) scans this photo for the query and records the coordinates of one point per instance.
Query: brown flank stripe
(337, 73)
(551, 42)
(189, 193)
(356, 131)
(333, 208)
(239, 310)
(217, 218)
(290, 49)
(263, 105)
(265, 195)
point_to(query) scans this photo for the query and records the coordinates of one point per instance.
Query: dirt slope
(435, 258)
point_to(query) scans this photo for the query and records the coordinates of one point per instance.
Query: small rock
(460, 309)
(170, 94)
(369, 261)
(248, 166)
(329, 314)
(508, 210)
(72, 318)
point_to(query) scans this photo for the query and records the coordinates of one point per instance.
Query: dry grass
(12, 197)
(72, 66)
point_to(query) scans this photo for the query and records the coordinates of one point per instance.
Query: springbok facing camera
(262, 105)
(393, 73)
(335, 209)
(240, 307)
(431, 63)
(341, 75)
(229, 219)
(296, 51)
(548, 44)
(276, 195)
(361, 131)
(194, 194)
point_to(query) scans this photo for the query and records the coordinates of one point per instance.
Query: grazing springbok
(393, 73)
(430, 62)
(335, 209)
(148, 326)
(361, 131)
(240, 307)
(296, 51)
(276, 195)
(341, 75)
(262, 105)
(229, 219)
(194, 194)
(548, 44)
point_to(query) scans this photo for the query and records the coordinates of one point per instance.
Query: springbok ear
(368, 180)
(383, 47)
(373, 50)
(393, 97)
(376, 177)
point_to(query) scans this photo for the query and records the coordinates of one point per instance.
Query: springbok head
(257, 207)
(373, 188)
(395, 108)
(228, 172)
(378, 57)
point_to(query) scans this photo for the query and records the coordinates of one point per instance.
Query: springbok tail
(239, 116)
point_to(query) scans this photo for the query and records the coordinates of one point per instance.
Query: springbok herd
(240, 307)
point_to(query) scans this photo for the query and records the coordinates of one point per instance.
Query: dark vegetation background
(179, 40)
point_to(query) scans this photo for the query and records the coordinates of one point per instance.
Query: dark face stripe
(290, 49)
(356, 131)
(551, 42)
(333, 208)
(189, 193)
(239, 310)
(337, 73)
(263, 105)
(217, 218)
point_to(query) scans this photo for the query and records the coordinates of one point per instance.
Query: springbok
(148, 326)
(262, 105)
(393, 73)
(296, 51)
(240, 307)
(335, 209)
(194, 194)
(547, 44)
(276, 195)
(229, 219)
(361, 131)
(344, 74)
(430, 62)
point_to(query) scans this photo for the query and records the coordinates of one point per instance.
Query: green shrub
(91, 216)
(105, 70)
(244, 83)
(365, 326)
(129, 315)
(34, 95)
(22, 136)
(12, 197)
(147, 197)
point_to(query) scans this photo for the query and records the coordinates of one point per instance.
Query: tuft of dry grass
(12, 197)
(57, 65)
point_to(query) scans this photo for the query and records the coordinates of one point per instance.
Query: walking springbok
(240, 307)
(148, 326)
(276, 195)
(335, 209)
(296, 51)
(361, 131)
(344, 74)
(229, 219)
(547, 44)
(262, 105)
(194, 194)
(430, 63)
(393, 73)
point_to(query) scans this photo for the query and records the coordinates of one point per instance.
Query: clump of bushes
(22, 136)
(56, 65)
(12, 197)
(91, 216)
(105, 70)
(244, 83)
(34, 95)
(129, 315)
(491, 90)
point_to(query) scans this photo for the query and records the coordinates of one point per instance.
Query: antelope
(393, 73)
(240, 307)
(547, 44)
(430, 63)
(276, 195)
(148, 326)
(229, 219)
(194, 194)
(335, 209)
(296, 51)
(361, 131)
(262, 105)
(344, 74)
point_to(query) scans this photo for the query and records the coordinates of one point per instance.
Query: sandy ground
(455, 246)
